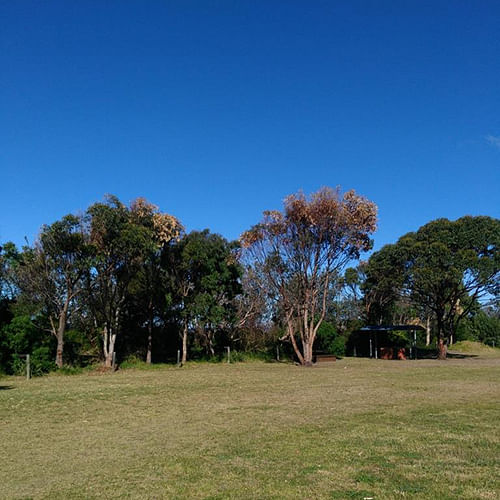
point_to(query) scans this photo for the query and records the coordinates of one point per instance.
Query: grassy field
(356, 428)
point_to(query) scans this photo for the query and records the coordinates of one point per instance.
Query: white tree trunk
(428, 331)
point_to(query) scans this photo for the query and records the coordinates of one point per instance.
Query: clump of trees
(116, 279)
(127, 280)
(442, 272)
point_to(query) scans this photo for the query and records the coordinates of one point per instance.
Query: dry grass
(352, 429)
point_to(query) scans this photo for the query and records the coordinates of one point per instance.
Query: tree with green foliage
(50, 274)
(298, 253)
(480, 326)
(21, 336)
(125, 243)
(445, 267)
(148, 285)
(205, 281)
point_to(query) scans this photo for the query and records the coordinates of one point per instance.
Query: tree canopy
(297, 252)
(445, 267)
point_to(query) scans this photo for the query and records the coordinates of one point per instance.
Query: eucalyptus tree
(50, 274)
(149, 284)
(126, 241)
(298, 252)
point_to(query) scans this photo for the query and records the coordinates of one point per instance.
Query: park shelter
(377, 339)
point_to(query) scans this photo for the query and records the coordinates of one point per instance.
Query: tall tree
(205, 280)
(50, 274)
(117, 248)
(382, 284)
(126, 244)
(149, 283)
(298, 252)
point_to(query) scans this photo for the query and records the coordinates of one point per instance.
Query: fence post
(28, 367)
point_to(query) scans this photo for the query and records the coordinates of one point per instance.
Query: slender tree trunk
(59, 351)
(428, 331)
(105, 335)
(442, 348)
(291, 335)
(150, 343)
(61, 328)
(111, 350)
(113, 331)
(210, 345)
(109, 341)
(184, 342)
(150, 335)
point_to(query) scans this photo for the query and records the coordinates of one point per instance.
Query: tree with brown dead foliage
(297, 252)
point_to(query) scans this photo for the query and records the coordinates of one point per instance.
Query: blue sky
(216, 110)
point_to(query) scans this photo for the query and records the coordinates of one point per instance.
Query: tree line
(122, 281)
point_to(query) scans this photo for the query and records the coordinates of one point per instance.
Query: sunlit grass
(477, 348)
(351, 429)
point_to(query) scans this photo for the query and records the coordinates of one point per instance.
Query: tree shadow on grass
(459, 355)
(432, 354)
(6, 387)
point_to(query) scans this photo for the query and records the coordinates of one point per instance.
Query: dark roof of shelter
(389, 328)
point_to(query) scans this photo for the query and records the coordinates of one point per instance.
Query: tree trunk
(308, 352)
(105, 335)
(109, 339)
(428, 331)
(210, 346)
(61, 328)
(442, 348)
(294, 341)
(148, 354)
(59, 352)
(184, 343)
(150, 335)
(111, 350)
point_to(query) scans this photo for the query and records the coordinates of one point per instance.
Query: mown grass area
(355, 428)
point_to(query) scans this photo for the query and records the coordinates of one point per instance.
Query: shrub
(22, 337)
(329, 341)
(239, 356)
(41, 362)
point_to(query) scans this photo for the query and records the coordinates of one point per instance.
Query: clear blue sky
(216, 110)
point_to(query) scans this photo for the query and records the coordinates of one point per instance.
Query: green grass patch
(470, 347)
(356, 428)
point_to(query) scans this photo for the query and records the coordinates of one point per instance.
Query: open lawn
(356, 428)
